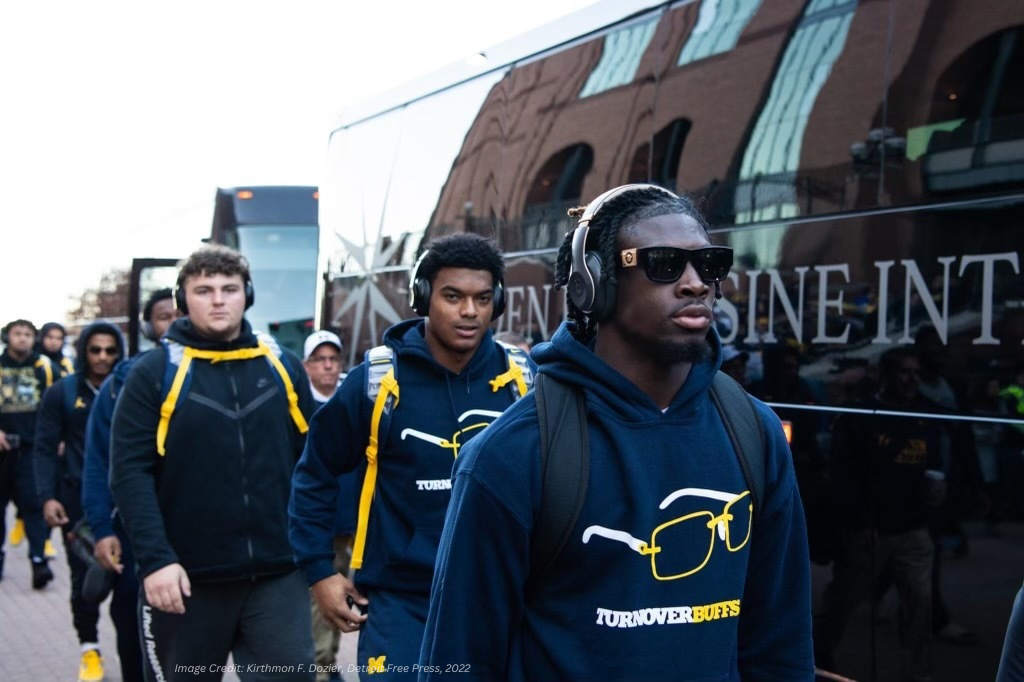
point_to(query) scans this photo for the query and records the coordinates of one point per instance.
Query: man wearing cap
(321, 355)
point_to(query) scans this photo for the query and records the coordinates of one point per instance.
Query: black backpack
(565, 456)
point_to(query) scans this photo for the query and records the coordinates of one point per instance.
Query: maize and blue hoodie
(659, 578)
(438, 411)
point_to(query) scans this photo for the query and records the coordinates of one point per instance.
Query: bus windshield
(283, 261)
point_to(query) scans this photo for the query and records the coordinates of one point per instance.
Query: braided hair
(619, 214)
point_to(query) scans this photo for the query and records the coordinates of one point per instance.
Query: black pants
(124, 611)
(264, 624)
(85, 614)
(17, 484)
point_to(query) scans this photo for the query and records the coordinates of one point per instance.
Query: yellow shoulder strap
(44, 363)
(388, 392)
(289, 388)
(215, 356)
(167, 409)
(514, 373)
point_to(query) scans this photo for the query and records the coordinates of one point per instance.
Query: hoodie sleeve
(335, 444)
(97, 500)
(775, 624)
(49, 433)
(134, 461)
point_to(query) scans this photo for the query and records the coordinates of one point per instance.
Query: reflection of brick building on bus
(800, 86)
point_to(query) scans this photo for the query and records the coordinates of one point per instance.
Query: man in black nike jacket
(204, 440)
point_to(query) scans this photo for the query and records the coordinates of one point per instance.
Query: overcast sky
(120, 119)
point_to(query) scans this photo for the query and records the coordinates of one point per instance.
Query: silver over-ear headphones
(594, 297)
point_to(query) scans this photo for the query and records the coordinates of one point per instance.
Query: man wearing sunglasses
(673, 567)
(62, 418)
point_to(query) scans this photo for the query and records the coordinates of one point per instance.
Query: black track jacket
(217, 502)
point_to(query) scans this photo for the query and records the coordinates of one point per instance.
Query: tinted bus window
(864, 161)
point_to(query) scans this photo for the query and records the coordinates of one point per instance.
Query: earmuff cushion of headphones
(604, 292)
(420, 300)
(179, 299)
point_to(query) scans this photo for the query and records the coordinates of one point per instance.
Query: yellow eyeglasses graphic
(683, 546)
(453, 444)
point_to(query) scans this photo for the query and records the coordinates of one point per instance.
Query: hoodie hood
(567, 359)
(98, 327)
(185, 333)
(409, 338)
(43, 331)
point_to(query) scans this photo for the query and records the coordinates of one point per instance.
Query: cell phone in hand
(362, 609)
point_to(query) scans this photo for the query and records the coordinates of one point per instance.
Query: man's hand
(53, 512)
(4, 445)
(108, 552)
(331, 596)
(166, 588)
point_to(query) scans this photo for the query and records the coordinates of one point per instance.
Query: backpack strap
(179, 360)
(382, 389)
(565, 457)
(44, 364)
(519, 374)
(69, 388)
(565, 467)
(745, 430)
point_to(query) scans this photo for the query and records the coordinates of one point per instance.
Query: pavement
(38, 642)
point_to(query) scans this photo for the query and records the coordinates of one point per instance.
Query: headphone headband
(594, 206)
(585, 288)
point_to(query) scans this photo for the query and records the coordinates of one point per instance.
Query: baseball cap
(317, 339)
(730, 353)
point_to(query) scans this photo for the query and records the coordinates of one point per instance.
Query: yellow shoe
(91, 669)
(17, 533)
(48, 550)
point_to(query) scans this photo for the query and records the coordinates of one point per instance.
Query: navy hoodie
(414, 476)
(62, 418)
(658, 579)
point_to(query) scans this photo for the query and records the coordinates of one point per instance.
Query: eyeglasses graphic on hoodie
(682, 546)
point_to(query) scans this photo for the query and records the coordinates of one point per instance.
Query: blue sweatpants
(389, 640)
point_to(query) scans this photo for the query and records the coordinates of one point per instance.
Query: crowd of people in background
(236, 499)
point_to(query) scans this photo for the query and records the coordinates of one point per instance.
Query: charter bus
(276, 228)
(863, 158)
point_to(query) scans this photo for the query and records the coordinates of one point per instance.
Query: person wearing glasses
(112, 549)
(322, 353)
(670, 571)
(62, 419)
